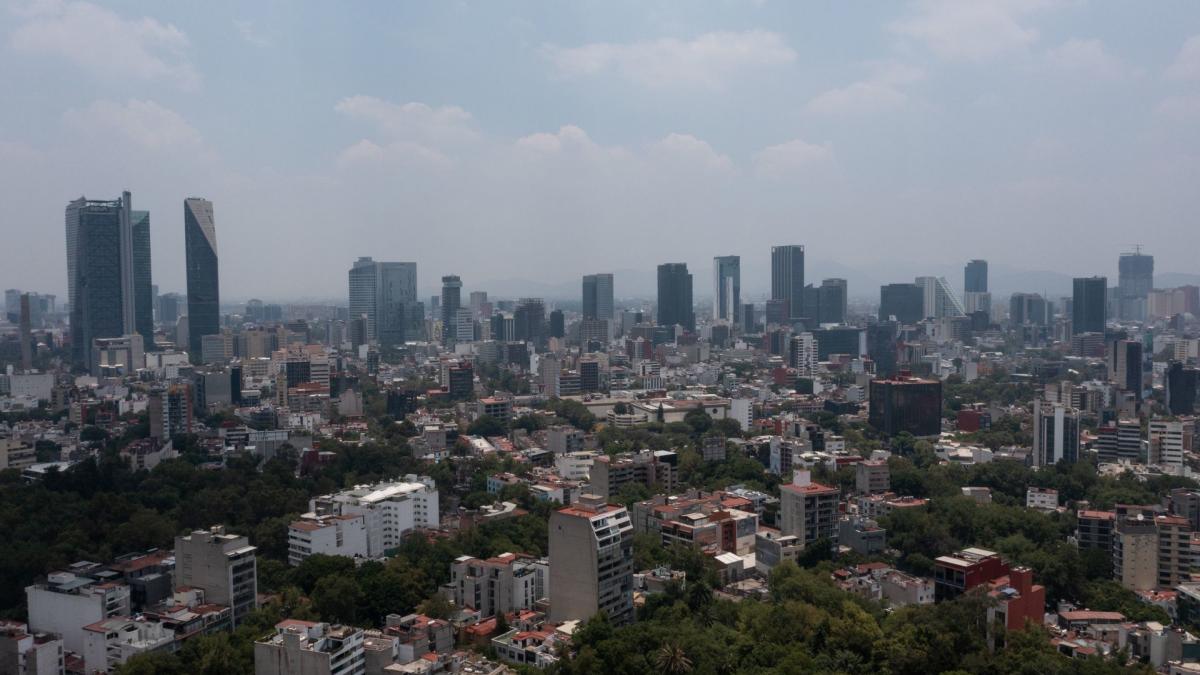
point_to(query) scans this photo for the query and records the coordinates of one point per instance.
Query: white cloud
(1088, 57)
(101, 41)
(972, 30)
(143, 123)
(250, 33)
(792, 156)
(416, 122)
(879, 92)
(707, 61)
(690, 151)
(1185, 107)
(1187, 63)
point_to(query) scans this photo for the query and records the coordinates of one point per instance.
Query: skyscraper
(906, 302)
(675, 304)
(591, 561)
(975, 277)
(787, 278)
(598, 297)
(832, 296)
(398, 315)
(1089, 304)
(727, 287)
(108, 269)
(1055, 433)
(1135, 280)
(938, 300)
(203, 286)
(364, 285)
(451, 302)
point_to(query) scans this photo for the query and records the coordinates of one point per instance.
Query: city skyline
(1069, 121)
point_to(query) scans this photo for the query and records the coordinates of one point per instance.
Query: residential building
(591, 561)
(392, 509)
(23, 652)
(872, 477)
(956, 574)
(808, 510)
(1043, 499)
(610, 474)
(1135, 553)
(1166, 444)
(224, 565)
(802, 354)
(308, 648)
(1016, 601)
(1120, 442)
(16, 454)
(343, 535)
(203, 283)
(499, 585)
(111, 642)
(67, 601)
(772, 548)
(716, 522)
(1056, 434)
(1094, 529)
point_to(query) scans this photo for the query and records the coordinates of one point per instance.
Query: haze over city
(517, 142)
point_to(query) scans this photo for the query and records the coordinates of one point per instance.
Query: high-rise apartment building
(1089, 305)
(905, 302)
(803, 354)
(598, 297)
(808, 510)
(787, 279)
(675, 306)
(975, 277)
(1055, 433)
(1166, 442)
(108, 270)
(727, 287)
(224, 565)
(203, 287)
(451, 303)
(591, 561)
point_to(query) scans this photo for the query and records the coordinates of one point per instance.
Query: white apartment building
(23, 652)
(499, 585)
(392, 510)
(591, 561)
(67, 602)
(1166, 443)
(327, 535)
(224, 565)
(575, 465)
(307, 648)
(111, 642)
(1043, 499)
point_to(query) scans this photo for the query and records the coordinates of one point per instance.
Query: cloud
(415, 122)
(1185, 107)
(1088, 57)
(143, 123)
(972, 30)
(690, 151)
(1187, 64)
(250, 33)
(792, 156)
(879, 92)
(100, 41)
(707, 61)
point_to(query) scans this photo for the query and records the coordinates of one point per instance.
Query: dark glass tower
(108, 273)
(727, 287)
(832, 296)
(143, 289)
(675, 304)
(787, 278)
(203, 287)
(1089, 304)
(975, 277)
(906, 302)
(451, 302)
(598, 296)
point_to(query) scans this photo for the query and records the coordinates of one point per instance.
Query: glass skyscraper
(675, 306)
(203, 286)
(787, 279)
(1089, 305)
(727, 287)
(598, 297)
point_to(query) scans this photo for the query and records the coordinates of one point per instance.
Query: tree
(698, 420)
(672, 659)
(486, 425)
(336, 599)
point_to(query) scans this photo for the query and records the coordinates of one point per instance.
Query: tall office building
(203, 287)
(108, 271)
(1135, 280)
(451, 303)
(975, 277)
(938, 300)
(529, 321)
(1089, 305)
(591, 562)
(1181, 386)
(1055, 433)
(1125, 366)
(399, 317)
(906, 302)
(598, 297)
(832, 297)
(675, 305)
(1027, 308)
(787, 279)
(905, 403)
(364, 285)
(727, 287)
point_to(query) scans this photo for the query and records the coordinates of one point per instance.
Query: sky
(521, 142)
